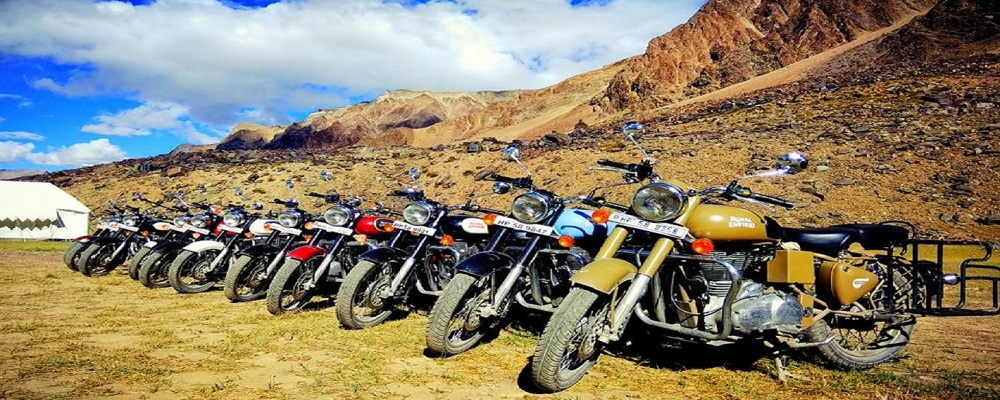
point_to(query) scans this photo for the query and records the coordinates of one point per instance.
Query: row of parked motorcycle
(677, 260)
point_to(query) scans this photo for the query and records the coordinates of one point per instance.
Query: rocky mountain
(17, 173)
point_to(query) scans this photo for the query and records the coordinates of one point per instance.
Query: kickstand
(780, 362)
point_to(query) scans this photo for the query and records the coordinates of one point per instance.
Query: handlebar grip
(314, 194)
(773, 200)
(612, 164)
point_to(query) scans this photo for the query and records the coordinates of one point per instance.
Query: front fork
(621, 312)
(404, 270)
(527, 256)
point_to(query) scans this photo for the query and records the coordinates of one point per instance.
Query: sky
(85, 82)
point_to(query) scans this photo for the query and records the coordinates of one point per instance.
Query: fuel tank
(576, 223)
(373, 225)
(726, 223)
(461, 226)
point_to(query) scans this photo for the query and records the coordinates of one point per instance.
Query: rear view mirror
(413, 173)
(501, 187)
(633, 130)
(792, 163)
(326, 176)
(512, 153)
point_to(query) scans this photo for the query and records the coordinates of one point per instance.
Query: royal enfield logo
(858, 283)
(741, 222)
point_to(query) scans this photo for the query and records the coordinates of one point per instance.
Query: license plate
(130, 228)
(290, 231)
(177, 228)
(199, 230)
(423, 230)
(335, 229)
(228, 228)
(665, 229)
(521, 226)
(150, 244)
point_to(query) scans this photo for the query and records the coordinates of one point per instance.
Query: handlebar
(640, 171)
(521, 183)
(476, 208)
(772, 200)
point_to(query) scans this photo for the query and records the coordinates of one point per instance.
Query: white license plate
(150, 244)
(199, 230)
(335, 229)
(423, 230)
(228, 228)
(290, 231)
(521, 226)
(177, 228)
(130, 228)
(665, 229)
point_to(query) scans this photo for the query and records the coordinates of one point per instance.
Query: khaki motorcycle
(692, 267)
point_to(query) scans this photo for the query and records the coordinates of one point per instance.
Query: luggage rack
(970, 270)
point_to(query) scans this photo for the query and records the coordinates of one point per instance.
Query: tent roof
(35, 201)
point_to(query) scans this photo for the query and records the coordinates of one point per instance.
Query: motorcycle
(319, 269)
(106, 227)
(203, 264)
(103, 254)
(166, 231)
(528, 261)
(385, 277)
(249, 276)
(153, 267)
(711, 272)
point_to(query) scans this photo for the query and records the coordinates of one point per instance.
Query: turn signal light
(702, 246)
(197, 235)
(566, 241)
(388, 228)
(144, 233)
(249, 235)
(128, 233)
(447, 240)
(600, 216)
(267, 227)
(489, 219)
(309, 226)
(309, 238)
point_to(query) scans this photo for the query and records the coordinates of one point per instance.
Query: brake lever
(757, 203)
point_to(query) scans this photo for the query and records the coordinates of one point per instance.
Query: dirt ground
(63, 335)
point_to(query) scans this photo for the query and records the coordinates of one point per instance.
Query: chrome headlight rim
(200, 221)
(418, 213)
(659, 201)
(131, 220)
(532, 207)
(182, 220)
(235, 218)
(290, 219)
(338, 215)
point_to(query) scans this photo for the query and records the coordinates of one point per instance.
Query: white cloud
(22, 101)
(97, 151)
(138, 121)
(13, 151)
(20, 135)
(219, 61)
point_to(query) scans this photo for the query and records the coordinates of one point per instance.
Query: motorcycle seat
(876, 236)
(828, 241)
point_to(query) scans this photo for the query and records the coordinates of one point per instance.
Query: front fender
(168, 246)
(383, 255)
(482, 263)
(604, 275)
(100, 241)
(83, 239)
(303, 253)
(259, 250)
(202, 245)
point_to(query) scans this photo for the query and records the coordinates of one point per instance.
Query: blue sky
(85, 82)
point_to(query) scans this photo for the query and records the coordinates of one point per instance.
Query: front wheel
(569, 346)
(363, 300)
(293, 286)
(246, 279)
(456, 322)
(191, 272)
(96, 260)
(136, 262)
(72, 254)
(153, 271)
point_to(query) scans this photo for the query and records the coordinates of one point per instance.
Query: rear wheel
(569, 346)
(293, 286)
(363, 300)
(97, 260)
(246, 279)
(191, 272)
(456, 322)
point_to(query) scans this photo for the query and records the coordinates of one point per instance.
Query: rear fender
(203, 245)
(482, 263)
(605, 275)
(303, 253)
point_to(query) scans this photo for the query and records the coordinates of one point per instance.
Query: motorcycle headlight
(290, 219)
(234, 218)
(418, 213)
(659, 201)
(131, 220)
(200, 221)
(182, 220)
(531, 207)
(338, 216)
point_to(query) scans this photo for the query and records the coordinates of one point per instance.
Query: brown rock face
(728, 42)
(249, 136)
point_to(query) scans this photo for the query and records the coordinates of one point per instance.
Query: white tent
(40, 210)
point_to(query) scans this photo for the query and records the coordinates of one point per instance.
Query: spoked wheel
(96, 260)
(862, 343)
(457, 321)
(153, 272)
(246, 279)
(192, 272)
(72, 254)
(136, 262)
(569, 345)
(293, 286)
(363, 300)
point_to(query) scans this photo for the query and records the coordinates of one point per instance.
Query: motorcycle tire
(243, 279)
(96, 260)
(153, 271)
(135, 262)
(181, 274)
(72, 254)
(454, 324)
(359, 293)
(568, 346)
(287, 292)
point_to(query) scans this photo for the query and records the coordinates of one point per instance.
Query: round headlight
(200, 221)
(131, 220)
(418, 213)
(658, 201)
(531, 207)
(289, 219)
(338, 216)
(182, 220)
(234, 218)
